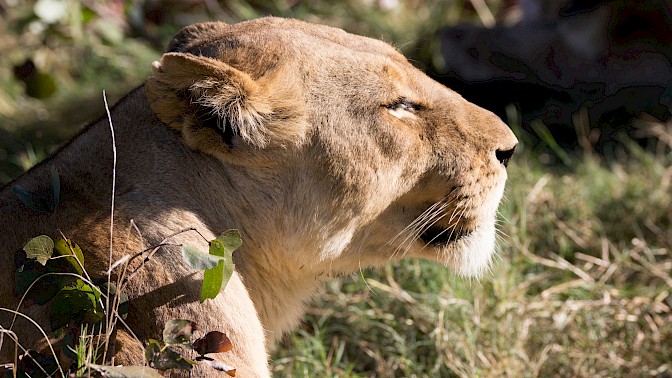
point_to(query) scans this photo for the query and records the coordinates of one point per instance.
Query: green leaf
(126, 371)
(197, 259)
(29, 270)
(178, 331)
(32, 200)
(213, 280)
(66, 247)
(152, 350)
(216, 279)
(165, 358)
(231, 240)
(40, 248)
(80, 304)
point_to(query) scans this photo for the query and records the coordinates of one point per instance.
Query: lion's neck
(280, 264)
(281, 287)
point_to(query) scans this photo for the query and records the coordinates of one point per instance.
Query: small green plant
(52, 273)
(177, 334)
(218, 264)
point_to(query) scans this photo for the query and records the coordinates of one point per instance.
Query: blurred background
(582, 282)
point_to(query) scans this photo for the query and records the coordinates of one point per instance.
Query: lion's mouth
(441, 236)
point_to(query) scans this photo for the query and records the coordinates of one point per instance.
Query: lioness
(327, 151)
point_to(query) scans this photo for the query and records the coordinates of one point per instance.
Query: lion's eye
(403, 104)
(402, 108)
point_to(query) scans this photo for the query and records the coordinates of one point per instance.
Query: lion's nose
(504, 155)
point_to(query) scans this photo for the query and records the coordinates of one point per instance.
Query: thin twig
(15, 338)
(114, 173)
(108, 332)
(44, 334)
(484, 13)
(153, 249)
(30, 287)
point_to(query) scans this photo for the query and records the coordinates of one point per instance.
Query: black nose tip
(504, 156)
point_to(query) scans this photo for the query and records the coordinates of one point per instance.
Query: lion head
(366, 158)
(327, 151)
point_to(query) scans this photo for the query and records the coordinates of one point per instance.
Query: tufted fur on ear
(209, 101)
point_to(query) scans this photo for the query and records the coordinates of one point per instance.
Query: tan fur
(328, 151)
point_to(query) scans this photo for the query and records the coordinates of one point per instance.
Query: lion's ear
(208, 101)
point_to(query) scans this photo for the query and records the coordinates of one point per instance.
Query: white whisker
(419, 225)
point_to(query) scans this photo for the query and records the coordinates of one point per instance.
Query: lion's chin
(440, 237)
(468, 254)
